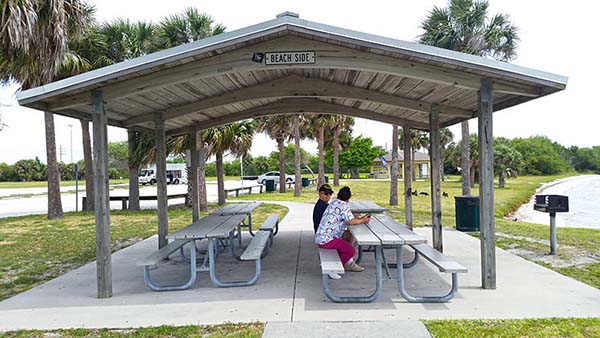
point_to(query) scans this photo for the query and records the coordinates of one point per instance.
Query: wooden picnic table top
(383, 230)
(209, 226)
(365, 207)
(237, 209)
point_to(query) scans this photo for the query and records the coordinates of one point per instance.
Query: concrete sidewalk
(290, 289)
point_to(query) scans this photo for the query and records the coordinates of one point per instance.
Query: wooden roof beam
(299, 86)
(299, 105)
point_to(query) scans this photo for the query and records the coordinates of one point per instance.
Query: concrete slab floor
(289, 289)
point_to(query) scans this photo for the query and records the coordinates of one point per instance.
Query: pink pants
(344, 249)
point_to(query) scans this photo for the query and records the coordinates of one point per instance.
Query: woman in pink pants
(329, 234)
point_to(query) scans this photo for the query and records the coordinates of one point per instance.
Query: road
(38, 204)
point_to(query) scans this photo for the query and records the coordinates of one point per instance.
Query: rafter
(300, 105)
(299, 86)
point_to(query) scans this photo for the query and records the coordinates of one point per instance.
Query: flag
(383, 161)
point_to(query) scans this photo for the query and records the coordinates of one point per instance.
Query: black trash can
(467, 213)
(269, 185)
(304, 182)
(326, 179)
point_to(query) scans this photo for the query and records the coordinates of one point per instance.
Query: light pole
(71, 135)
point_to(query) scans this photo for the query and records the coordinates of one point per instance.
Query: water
(584, 203)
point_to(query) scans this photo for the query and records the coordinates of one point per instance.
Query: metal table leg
(358, 299)
(420, 299)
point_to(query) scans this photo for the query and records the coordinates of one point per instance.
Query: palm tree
(278, 128)
(507, 160)
(340, 140)
(189, 26)
(464, 26)
(315, 127)
(34, 38)
(298, 121)
(234, 137)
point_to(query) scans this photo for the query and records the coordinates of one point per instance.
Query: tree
(186, 27)
(464, 26)
(341, 138)
(315, 128)
(279, 128)
(507, 160)
(34, 38)
(446, 137)
(540, 155)
(234, 137)
(359, 155)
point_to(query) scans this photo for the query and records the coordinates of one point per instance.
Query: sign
(289, 58)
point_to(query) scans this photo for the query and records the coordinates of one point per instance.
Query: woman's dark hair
(344, 194)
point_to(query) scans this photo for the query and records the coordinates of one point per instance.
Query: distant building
(422, 164)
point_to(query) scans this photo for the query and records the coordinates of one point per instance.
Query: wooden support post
(486, 186)
(407, 175)
(297, 158)
(101, 204)
(394, 167)
(195, 159)
(161, 179)
(436, 160)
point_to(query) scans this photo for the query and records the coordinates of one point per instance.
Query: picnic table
(245, 209)
(366, 207)
(384, 231)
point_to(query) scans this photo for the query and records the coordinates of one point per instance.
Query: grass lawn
(525, 328)
(34, 250)
(253, 330)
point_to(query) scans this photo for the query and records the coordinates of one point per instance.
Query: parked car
(274, 175)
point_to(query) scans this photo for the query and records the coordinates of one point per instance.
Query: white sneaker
(334, 276)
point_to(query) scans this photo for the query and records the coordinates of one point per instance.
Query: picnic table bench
(248, 189)
(383, 231)
(125, 199)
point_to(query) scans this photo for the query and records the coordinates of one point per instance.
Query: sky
(556, 36)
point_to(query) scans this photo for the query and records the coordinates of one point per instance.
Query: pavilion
(290, 65)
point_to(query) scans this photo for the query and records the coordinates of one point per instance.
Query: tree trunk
(202, 200)
(54, 202)
(297, 158)
(321, 143)
(466, 159)
(336, 157)
(472, 176)
(89, 166)
(134, 184)
(394, 167)
(281, 147)
(501, 179)
(354, 172)
(188, 198)
(220, 178)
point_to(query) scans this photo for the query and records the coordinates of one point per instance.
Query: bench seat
(271, 225)
(256, 247)
(330, 261)
(163, 253)
(442, 262)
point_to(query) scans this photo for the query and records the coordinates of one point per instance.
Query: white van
(176, 174)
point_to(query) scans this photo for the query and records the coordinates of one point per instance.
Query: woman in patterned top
(329, 235)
